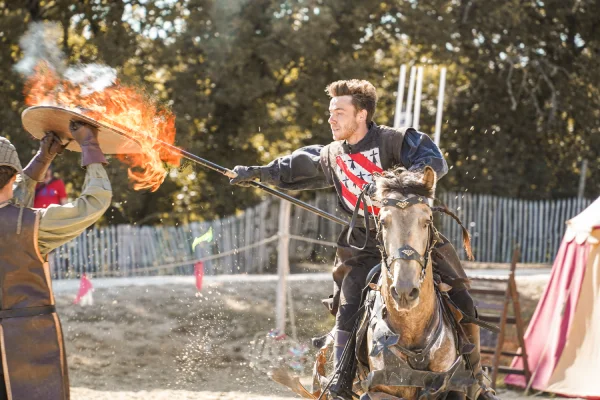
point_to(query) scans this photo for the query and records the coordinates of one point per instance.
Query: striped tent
(563, 337)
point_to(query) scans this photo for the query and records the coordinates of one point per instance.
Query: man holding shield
(34, 363)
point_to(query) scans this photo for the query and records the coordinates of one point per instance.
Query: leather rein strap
(27, 312)
(362, 198)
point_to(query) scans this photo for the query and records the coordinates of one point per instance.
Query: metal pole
(581, 190)
(418, 92)
(400, 96)
(229, 173)
(440, 107)
(283, 264)
(409, 99)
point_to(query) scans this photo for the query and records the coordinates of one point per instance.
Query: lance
(114, 139)
(230, 174)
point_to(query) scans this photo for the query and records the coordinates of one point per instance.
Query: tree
(246, 81)
(523, 110)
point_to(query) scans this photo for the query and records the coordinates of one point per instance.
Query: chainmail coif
(10, 158)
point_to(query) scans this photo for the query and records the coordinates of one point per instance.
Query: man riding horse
(360, 149)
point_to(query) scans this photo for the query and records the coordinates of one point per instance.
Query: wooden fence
(244, 243)
(247, 243)
(497, 224)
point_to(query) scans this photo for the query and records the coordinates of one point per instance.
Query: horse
(407, 332)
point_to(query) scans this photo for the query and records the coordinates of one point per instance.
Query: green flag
(207, 237)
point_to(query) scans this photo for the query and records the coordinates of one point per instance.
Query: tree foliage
(246, 81)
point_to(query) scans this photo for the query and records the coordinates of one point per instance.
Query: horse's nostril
(394, 292)
(413, 294)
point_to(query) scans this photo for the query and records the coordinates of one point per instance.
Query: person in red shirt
(51, 191)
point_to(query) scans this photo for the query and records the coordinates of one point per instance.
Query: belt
(27, 312)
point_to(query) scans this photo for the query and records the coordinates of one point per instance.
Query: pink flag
(85, 286)
(199, 273)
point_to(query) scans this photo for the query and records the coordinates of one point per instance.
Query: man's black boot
(343, 366)
(480, 390)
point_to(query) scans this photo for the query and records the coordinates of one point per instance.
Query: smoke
(40, 44)
(91, 77)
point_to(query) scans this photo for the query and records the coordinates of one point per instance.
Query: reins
(364, 199)
(465, 232)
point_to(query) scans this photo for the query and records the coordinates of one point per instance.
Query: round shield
(38, 120)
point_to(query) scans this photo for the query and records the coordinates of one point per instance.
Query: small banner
(199, 273)
(84, 295)
(207, 237)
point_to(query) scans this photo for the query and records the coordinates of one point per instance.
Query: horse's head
(406, 228)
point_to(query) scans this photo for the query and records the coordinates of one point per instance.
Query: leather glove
(87, 137)
(50, 146)
(245, 175)
(370, 189)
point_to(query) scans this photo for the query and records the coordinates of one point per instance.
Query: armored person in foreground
(34, 363)
(360, 149)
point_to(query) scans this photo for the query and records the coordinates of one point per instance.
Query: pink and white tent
(563, 337)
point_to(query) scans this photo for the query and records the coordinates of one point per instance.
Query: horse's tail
(465, 232)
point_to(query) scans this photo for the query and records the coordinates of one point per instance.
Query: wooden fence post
(283, 262)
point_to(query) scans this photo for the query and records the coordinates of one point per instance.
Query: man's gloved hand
(370, 189)
(87, 137)
(245, 175)
(50, 146)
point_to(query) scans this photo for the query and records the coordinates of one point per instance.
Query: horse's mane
(400, 180)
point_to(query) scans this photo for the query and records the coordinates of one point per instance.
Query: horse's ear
(429, 178)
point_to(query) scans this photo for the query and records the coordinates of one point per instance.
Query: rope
(233, 251)
(213, 257)
(315, 241)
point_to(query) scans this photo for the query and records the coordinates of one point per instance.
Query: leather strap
(408, 253)
(404, 203)
(27, 312)
(485, 325)
(361, 198)
(455, 378)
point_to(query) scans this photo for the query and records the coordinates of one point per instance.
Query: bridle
(406, 252)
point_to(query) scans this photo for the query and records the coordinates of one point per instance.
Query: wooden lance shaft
(230, 174)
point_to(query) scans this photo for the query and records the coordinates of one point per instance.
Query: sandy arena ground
(157, 338)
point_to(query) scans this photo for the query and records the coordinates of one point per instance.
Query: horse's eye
(383, 222)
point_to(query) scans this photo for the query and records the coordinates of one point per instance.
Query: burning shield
(39, 120)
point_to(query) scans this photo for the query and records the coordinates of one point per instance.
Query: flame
(124, 107)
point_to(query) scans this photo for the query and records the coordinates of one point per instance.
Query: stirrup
(487, 392)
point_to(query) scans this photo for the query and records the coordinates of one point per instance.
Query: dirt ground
(167, 341)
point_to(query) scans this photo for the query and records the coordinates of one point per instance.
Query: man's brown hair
(364, 95)
(6, 174)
